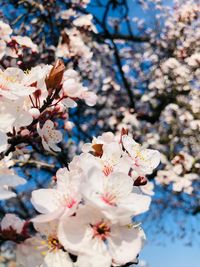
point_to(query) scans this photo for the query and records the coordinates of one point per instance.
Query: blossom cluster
(13, 45)
(87, 217)
(31, 99)
(179, 71)
(179, 173)
(73, 42)
(24, 93)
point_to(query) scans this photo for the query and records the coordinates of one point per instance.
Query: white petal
(94, 184)
(45, 145)
(121, 182)
(56, 136)
(45, 200)
(129, 144)
(71, 88)
(69, 103)
(68, 181)
(39, 130)
(11, 220)
(47, 228)
(28, 253)
(72, 233)
(152, 157)
(112, 151)
(90, 98)
(44, 218)
(16, 73)
(48, 125)
(93, 260)
(136, 203)
(54, 147)
(57, 259)
(7, 121)
(24, 119)
(125, 244)
(86, 147)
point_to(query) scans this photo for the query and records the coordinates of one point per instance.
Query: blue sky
(174, 254)
(167, 250)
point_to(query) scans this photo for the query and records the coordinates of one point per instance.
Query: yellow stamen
(27, 71)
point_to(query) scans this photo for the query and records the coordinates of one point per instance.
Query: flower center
(101, 230)
(139, 155)
(109, 198)
(27, 71)
(53, 243)
(50, 244)
(70, 202)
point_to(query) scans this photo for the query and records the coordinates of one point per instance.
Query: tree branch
(131, 38)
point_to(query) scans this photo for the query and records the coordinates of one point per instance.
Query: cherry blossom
(95, 233)
(14, 113)
(108, 158)
(144, 160)
(64, 199)
(96, 199)
(25, 41)
(114, 194)
(13, 84)
(13, 46)
(43, 249)
(73, 89)
(74, 47)
(105, 138)
(11, 221)
(148, 189)
(85, 22)
(50, 137)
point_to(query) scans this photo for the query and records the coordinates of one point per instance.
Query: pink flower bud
(68, 125)
(25, 132)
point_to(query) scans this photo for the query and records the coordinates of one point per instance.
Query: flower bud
(34, 112)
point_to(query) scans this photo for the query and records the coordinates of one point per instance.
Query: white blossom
(50, 137)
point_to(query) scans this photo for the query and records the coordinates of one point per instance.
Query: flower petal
(57, 259)
(45, 200)
(126, 244)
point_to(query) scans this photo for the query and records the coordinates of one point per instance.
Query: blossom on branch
(50, 136)
(94, 202)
